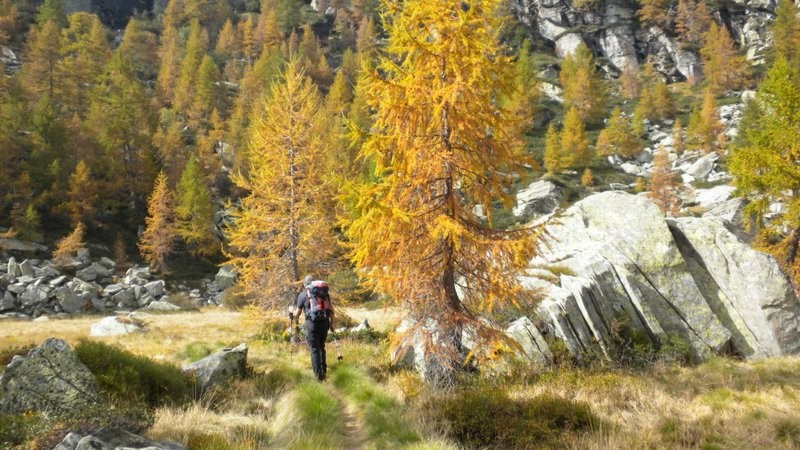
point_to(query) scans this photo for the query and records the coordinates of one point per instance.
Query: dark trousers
(316, 334)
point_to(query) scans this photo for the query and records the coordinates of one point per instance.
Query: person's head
(307, 281)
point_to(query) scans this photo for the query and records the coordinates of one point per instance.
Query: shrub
(125, 377)
(17, 429)
(488, 418)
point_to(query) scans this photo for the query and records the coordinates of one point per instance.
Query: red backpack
(320, 301)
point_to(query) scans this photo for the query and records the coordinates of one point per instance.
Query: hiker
(316, 303)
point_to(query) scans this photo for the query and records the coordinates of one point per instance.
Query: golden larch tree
(724, 68)
(158, 239)
(582, 85)
(617, 138)
(574, 142)
(705, 131)
(663, 184)
(283, 227)
(69, 245)
(440, 144)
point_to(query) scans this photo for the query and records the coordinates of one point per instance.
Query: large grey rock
(70, 301)
(112, 326)
(16, 245)
(114, 438)
(703, 166)
(50, 378)
(87, 274)
(220, 367)
(34, 294)
(225, 277)
(530, 340)
(155, 288)
(125, 298)
(745, 288)
(27, 269)
(541, 197)
(708, 198)
(8, 302)
(162, 306)
(13, 268)
(619, 264)
(137, 275)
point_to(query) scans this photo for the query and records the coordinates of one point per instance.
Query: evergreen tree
(170, 54)
(194, 211)
(415, 233)
(723, 67)
(51, 11)
(139, 50)
(574, 141)
(764, 163)
(692, 21)
(582, 85)
(40, 73)
(553, 160)
(8, 21)
(69, 245)
(663, 186)
(786, 31)
(282, 229)
(705, 131)
(228, 46)
(196, 44)
(158, 239)
(85, 53)
(81, 196)
(617, 138)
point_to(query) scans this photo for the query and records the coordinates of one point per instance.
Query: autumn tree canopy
(441, 145)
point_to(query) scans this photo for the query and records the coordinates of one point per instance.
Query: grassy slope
(365, 404)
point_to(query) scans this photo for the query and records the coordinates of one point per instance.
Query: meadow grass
(366, 404)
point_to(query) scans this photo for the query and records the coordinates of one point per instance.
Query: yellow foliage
(283, 227)
(158, 238)
(441, 144)
(69, 245)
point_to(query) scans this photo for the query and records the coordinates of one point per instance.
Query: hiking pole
(336, 344)
(291, 335)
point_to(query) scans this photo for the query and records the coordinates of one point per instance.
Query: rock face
(220, 367)
(611, 29)
(541, 197)
(636, 274)
(113, 438)
(50, 378)
(112, 326)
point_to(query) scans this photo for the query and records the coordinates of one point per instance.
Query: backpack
(320, 301)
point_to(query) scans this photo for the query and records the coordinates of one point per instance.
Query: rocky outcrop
(539, 198)
(638, 275)
(221, 367)
(113, 438)
(51, 378)
(610, 28)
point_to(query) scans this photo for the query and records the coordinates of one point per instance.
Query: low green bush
(127, 378)
(17, 429)
(488, 418)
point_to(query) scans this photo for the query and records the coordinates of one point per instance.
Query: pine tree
(786, 31)
(678, 145)
(663, 186)
(582, 85)
(51, 11)
(158, 239)
(69, 245)
(247, 30)
(85, 53)
(170, 54)
(617, 138)
(586, 177)
(139, 49)
(416, 234)
(228, 46)
(705, 131)
(553, 160)
(194, 212)
(171, 144)
(208, 96)
(196, 44)
(81, 196)
(40, 73)
(629, 82)
(655, 12)
(692, 21)
(8, 21)
(723, 67)
(283, 229)
(763, 162)
(574, 141)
